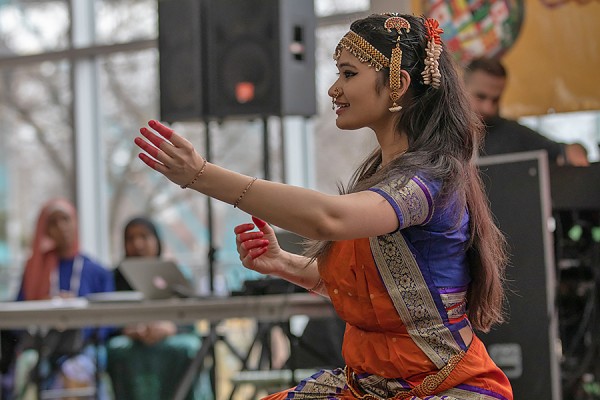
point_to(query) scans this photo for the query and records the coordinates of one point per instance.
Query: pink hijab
(44, 258)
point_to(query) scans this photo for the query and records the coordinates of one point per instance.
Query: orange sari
(401, 329)
(381, 346)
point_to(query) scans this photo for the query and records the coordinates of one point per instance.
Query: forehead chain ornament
(398, 23)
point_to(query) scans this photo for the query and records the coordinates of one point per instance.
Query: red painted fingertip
(242, 228)
(152, 122)
(258, 222)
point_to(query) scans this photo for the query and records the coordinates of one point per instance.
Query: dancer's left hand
(169, 153)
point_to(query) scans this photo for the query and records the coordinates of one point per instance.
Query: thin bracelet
(319, 283)
(244, 192)
(195, 178)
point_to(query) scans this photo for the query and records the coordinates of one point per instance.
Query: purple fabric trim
(455, 328)
(393, 203)
(453, 289)
(481, 390)
(425, 190)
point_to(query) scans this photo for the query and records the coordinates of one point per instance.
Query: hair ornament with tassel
(397, 23)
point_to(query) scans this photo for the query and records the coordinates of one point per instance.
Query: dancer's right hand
(259, 250)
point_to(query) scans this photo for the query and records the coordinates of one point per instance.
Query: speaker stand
(212, 337)
(266, 152)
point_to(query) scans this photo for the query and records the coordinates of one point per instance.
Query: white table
(73, 313)
(79, 312)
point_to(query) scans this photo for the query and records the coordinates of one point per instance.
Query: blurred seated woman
(58, 269)
(148, 360)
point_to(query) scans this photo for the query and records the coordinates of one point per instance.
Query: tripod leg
(195, 366)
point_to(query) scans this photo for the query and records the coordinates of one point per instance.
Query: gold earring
(336, 93)
(395, 96)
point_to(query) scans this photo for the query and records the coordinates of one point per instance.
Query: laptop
(156, 278)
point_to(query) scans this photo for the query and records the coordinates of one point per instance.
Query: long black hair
(443, 136)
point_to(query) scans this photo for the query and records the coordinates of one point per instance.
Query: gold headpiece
(361, 49)
(367, 53)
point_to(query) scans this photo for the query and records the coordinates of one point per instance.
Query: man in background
(485, 80)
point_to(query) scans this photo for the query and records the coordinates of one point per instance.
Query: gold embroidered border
(331, 382)
(321, 387)
(410, 198)
(411, 298)
(464, 395)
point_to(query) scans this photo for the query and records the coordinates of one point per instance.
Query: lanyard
(75, 278)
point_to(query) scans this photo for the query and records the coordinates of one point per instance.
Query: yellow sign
(551, 48)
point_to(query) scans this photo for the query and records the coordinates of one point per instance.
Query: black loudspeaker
(245, 58)
(180, 60)
(526, 347)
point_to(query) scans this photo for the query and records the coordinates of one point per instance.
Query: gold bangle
(244, 192)
(195, 178)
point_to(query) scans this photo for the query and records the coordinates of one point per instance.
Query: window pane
(582, 127)
(33, 27)
(125, 21)
(128, 99)
(5, 279)
(37, 164)
(330, 7)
